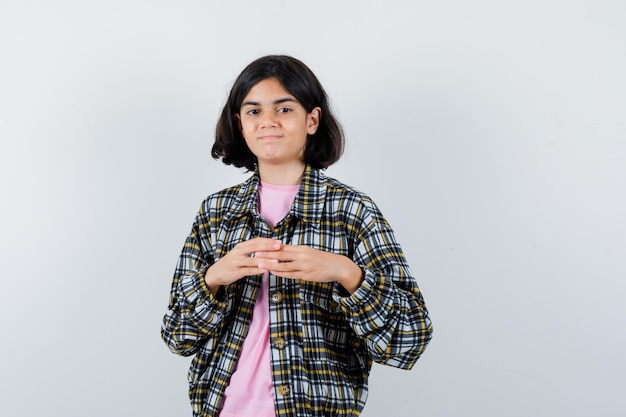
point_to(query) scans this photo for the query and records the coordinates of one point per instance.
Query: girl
(290, 284)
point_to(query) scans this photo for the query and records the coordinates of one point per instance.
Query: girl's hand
(239, 262)
(308, 264)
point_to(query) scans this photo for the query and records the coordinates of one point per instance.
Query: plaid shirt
(323, 339)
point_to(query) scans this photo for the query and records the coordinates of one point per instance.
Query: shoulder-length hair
(321, 152)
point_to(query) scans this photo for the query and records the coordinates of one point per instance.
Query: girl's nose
(269, 120)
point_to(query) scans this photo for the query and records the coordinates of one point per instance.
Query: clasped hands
(260, 255)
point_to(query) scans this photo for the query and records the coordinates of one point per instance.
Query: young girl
(290, 284)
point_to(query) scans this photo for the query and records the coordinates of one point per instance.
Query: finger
(245, 271)
(287, 276)
(292, 274)
(300, 275)
(294, 248)
(262, 240)
(278, 255)
(248, 271)
(281, 268)
(259, 245)
(251, 262)
(267, 264)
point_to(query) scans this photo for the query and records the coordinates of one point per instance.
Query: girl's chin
(277, 161)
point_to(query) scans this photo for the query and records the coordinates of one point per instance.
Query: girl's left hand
(308, 264)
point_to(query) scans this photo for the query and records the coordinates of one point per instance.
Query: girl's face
(275, 125)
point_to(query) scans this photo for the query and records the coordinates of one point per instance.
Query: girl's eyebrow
(279, 101)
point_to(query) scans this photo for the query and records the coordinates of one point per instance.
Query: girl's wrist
(353, 278)
(213, 288)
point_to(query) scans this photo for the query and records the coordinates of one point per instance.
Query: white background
(492, 134)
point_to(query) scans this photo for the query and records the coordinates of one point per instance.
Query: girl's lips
(269, 137)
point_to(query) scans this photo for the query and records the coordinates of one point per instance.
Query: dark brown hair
(300, 81)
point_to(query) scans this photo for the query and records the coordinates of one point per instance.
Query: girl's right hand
(239, 262)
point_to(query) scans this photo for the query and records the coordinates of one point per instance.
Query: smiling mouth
(269, 137)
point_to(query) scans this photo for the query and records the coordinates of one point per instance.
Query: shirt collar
(308, 204)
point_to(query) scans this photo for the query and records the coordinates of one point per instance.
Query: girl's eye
(252, 112)
(284, 110)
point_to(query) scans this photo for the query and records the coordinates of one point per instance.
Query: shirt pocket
(320, 295)
(327, 334)
(326, 331)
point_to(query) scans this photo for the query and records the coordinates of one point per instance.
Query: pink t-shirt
(250, 392)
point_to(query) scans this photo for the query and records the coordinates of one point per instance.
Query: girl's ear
(238, 119)
(313, 120)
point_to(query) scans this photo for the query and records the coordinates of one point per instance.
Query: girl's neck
(284, 174)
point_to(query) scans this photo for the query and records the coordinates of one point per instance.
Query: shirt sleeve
(387, 311)
(193, 314)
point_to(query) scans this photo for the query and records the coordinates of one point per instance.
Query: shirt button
(276, 297)
(283, 390)
(279, 343)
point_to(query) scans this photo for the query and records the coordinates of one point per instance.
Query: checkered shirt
(324, 340)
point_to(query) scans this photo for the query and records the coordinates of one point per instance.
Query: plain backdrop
(492, 134)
